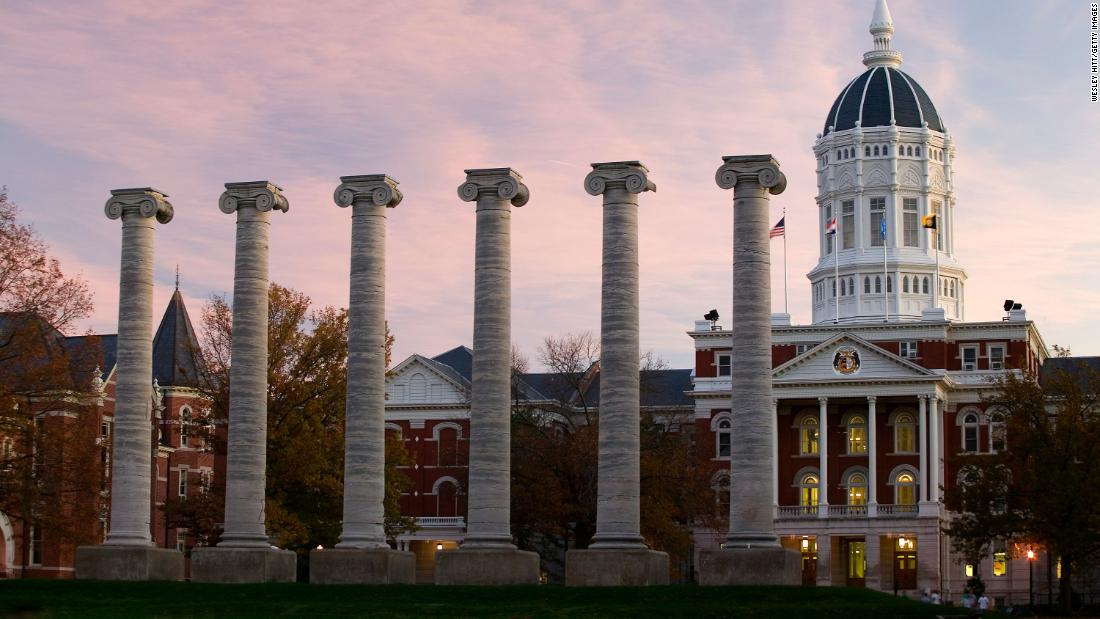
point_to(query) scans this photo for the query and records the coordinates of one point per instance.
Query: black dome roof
(878, 94)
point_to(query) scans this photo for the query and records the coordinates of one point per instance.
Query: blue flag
(882, 227)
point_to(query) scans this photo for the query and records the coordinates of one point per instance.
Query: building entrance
(905, 563)
(855, 553)
(808, 546)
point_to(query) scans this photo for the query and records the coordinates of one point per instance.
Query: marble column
(823, 457)
(872, 457)
(934, 449)
(775, 457)
(922, 457)
(752, 554)
(487, 555)
(245, 553)
(362, 555)
(618, 554)
(128, 553)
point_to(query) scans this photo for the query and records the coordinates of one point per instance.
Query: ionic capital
(376, 189)
(144, 201)
(629, 175)
(761, 169)
(872, 399)
(822, 401)
(261, 195)
(496, 183)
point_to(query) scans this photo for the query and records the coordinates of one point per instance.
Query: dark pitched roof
(879, 94)
(1071, 365)
(176, 359)
(658, 388)
(460, 359)
(108, 349)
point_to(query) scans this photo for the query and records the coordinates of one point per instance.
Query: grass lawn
(58, 599)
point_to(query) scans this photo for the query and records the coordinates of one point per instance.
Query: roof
(38, 345)
(1078, 366)
(460, 359)
(176, 358)
(877, 96)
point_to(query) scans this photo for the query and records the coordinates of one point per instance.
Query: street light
(1030, 577)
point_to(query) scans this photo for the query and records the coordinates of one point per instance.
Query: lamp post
(1030, 577)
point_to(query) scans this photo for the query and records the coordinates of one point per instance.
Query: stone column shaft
(934, 449)
(922, 457)
(246, 471)
(364, 427)
(495, 191)
(752, 179)
(132, 449)
(823, 457)
(872, 456)
(618, 512)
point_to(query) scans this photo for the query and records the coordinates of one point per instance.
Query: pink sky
(188, 95)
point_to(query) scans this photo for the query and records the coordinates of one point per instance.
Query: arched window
(866, 285)
(185, 426)
(446, 437)
(867, 151)
(446, 491)
(905, 430)
(851, 285)
(878, 284)
(905, 283)
(834, 287)
(839, 154)
(952, 289)
(997, 431)
(905, 488)
(394, 431)
(857, 489)
(807, 491)
(857, 435)
(876, 150)
(925, 284)
(889, 284)
(886, 150)
(970, 432)
(918, 151)
(724, 438)
(909, 151)
(807, 435)
(843, 287)
(720, 483)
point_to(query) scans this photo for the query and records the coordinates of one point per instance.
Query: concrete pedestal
(234, 565)
(128, 563)
(749, 567)
(487, 566)
(614, 567)
(362, 566)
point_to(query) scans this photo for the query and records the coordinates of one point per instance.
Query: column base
(749, 566)
(361, 566)
(242, 564)
(487, 566)
(616, 567)
(128, 563)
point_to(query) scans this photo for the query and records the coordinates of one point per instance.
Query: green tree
(1041, 490)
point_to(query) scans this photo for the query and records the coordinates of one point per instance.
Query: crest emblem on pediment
(846, 361)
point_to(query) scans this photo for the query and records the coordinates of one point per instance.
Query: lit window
(908, 350)
(724, 438)
(878, 213)
(970, 433)
(857, 435)
(808, 436)
(808, 491)
(848, 223)
(969, 570)
(1000, 559)
(857, 489)
(857, 559)
(724, 363)
(905, 489)
(996, 357)
(905, 428)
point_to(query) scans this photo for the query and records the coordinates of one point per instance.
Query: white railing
(888, 510)
(848, 511)
(797, 511)
(440, 522)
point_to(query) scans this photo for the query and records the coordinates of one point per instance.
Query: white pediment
(848, 357)
(418, 380)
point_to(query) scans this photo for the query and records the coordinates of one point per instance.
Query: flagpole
(785, 311)
(885, 272)
(836, 276)
(936, 289)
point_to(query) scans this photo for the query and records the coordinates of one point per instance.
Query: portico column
(362, 554)
(934, 449)
(752, 552)
(923, 448)
(245, 542)
(488, 530)
(617, 544)
(823, 457)
(775, 457)
(128, 535)
(872, 458)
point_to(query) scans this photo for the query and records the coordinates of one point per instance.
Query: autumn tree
(1041, 489)
(555, 435)
(50, 476)
(306, 403)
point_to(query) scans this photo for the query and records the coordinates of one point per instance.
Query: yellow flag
(928, 221)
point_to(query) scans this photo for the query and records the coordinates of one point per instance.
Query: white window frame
(997, 365)
(181, 540)
(963, 348)
(185, 426)
(718, 359)
(848, 215)
(975, 425)
(877, 206)
(801, 349)
(910, 223)
(908, 350)
(719, 432)
(181, 482)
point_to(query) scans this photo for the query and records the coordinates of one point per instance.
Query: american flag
(830, 226)
(780, 228)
